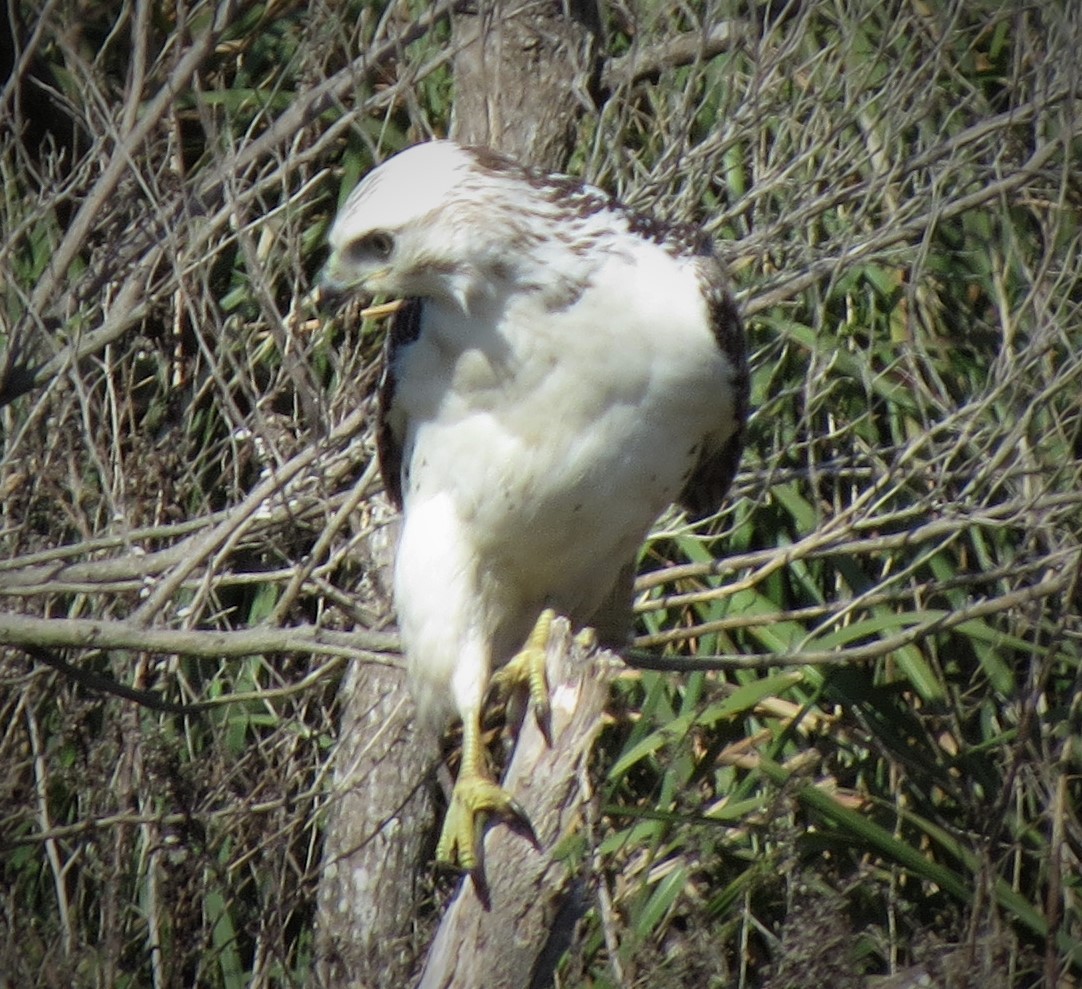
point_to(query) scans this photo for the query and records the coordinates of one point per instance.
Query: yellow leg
(474, 795)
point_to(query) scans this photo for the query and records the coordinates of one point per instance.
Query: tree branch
(642, 64)
(87, 633)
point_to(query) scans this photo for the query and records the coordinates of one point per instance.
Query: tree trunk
(378, 830)
(380, 813)
(524, 75)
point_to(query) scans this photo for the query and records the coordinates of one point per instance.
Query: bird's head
(415, 227)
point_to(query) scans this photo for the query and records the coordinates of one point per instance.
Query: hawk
(563, 369)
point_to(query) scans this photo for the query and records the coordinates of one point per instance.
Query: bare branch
(647, 63)
(87, 633)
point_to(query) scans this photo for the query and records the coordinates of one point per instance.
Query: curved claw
(475, 795)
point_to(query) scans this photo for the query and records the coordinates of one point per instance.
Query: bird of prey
(564, 368)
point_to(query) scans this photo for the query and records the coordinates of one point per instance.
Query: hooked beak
(332, 290)
(329, 295)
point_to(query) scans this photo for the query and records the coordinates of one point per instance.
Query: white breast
(540, 446)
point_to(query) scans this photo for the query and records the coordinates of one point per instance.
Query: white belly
(534, 464)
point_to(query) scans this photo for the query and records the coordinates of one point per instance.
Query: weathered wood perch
(499, 940)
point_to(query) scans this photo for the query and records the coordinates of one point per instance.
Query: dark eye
(378, 244)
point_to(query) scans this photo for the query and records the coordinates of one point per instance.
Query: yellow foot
(586, 640)
(473, 796)
(527, 668)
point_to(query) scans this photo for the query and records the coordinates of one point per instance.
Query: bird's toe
(475, 796)
(527, 668)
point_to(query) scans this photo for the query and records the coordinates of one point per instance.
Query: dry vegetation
(870, 765)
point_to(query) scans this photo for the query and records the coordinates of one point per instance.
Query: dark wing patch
(405, 328)
(679, 239)
(716, 466)
(579, 200)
